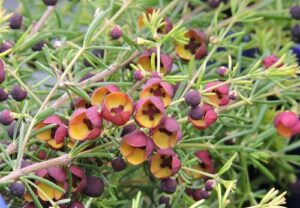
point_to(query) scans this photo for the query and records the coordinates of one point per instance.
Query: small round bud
(128, 129)
(12, 128)
(17, 189)
(222, 71)
(2, 71)
(5, 46)
(94, 186)
(15, 21)
(164, 200)
(192, 98)
(199, 194)
(296, 33)
(118, 164)
(38, 46)
(233, 95)
(42, 155)
(5, 117)
(295, 12)
(3, 95)
(18, 93)
(50, 2)
(270, 60)
(168, 185)
(116, 32)
(76, 204)
(137, 75)
(209, 185)
(196, 112)
(214, 3)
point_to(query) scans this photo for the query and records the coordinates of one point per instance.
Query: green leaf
(263, 169)
(81, 93)
(33, 195)
(227, 165)
(47, 182)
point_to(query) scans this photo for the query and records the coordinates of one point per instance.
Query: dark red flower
(220, 94)
(136, 147)
(101, 92)
(164, 163)
(202, 116)
(287, 124)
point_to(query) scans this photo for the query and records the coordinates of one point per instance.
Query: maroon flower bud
(94, 186)
(168, 185)
(18, 93)
(5, 117)
(5, 46)
(196, 112)
(199, 194)
(38, 46)
(116, 32)
(15, 21)
(295, 12)
(76, 204)
(222, 71)
(296, 33)
(50, 2)
(137, 75)
(12, 130)
(270, 61)
(42, 155)
(215, 3)
(192, 98)
(209, 185)
(164, 200)
(3, 95)
(2, 71)
(128, 129)
(118, 164)
(232, 95)
(17, 189)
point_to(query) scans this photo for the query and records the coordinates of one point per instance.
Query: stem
(42, 20)
(45, 103)
(62, 160)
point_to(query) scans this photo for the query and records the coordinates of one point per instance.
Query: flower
(164, 29)
(220, 96)
(149, 112)
(85, 124)
(167, 134)
(269, 61)
(202, 116)
(55, 175)
(192, 98)
(164, 163)
(54, 136)
(158, 88)
(137, 75)
(117, 108)
(196, 45)
(100, 93)
(287, 124)
(136, 147)
(166, 61)
(205, 164)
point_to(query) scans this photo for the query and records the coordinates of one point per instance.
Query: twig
(42, 20)
(11, 149)
(62, 160)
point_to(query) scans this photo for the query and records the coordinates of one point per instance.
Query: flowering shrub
(149, 103)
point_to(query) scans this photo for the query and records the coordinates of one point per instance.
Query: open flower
(55, 175)
(164, 163)
(287, 124)
(100, 93)
(166, 61)
(220, 96)
(167, 134)
(54, 136)
(196, 45)
(164, 29)
(136, 147)
(205, 164)
(85, 124)
(149, 112)
(202, 116)
(117, 108)
(156, 87)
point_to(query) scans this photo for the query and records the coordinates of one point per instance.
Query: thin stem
(42, 20)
